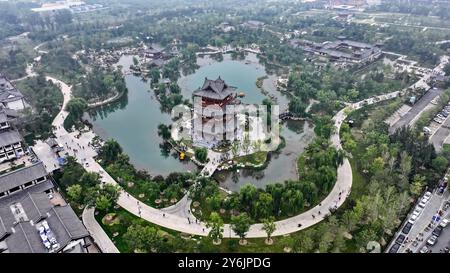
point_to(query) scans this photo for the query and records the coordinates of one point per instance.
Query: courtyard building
(33, 216)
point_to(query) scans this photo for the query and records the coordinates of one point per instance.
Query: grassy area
(257, 158)
(123, 219)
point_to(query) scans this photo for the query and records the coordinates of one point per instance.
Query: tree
(247, 195)
(440, 164)
(74, 192)
(164, 132)
(76, 107)
(447, 70)
(106, 196)
(263, 206)
(235, 149)
(297, 107)
(90, 179)
(155, 75)
(256, 145)
(246, 143)
(110, 151)
(269, 227)
(417, 185)
(144, 239)
(103, 203)
(377, 165)
(215, 223)
(201, 154)
(240, 225)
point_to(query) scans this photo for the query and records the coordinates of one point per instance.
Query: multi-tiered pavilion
(218, 122)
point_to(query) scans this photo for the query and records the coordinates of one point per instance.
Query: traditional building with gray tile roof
(21, 179)
(10, 97)
(32, 224)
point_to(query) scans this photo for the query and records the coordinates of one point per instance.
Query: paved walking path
(100, 237)
(177, 220)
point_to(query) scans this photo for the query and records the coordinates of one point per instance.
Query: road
(439, 137)
(416, 110)
(431, 208)
(443, 241)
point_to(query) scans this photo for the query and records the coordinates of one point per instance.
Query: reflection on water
(282, 165)
(133, 122)
(134, 119)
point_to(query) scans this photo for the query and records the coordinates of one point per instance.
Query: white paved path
(100, 237)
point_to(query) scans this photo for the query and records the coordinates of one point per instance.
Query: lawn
(191, 243)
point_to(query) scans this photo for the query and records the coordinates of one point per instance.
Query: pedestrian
(128, 195)
(164, 215)
(203, 229)
(314, 217)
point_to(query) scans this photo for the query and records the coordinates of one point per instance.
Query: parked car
(407, 228)
(413, 218)
(418, 210)
(400, 239)
(394, 248)
(444, 223)
(437, 120)
(440, 116)
(422, 204)
(438, 231)
(432, 241)
(424, 249)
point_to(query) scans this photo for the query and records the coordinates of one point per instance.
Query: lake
(133, 122)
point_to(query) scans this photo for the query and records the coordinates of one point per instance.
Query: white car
(424, 249)
(427, 194)
(422, 204)
(444, 222)
(418, 210)
(425, 199)
(432, 241)
(413, 219)
(437, 120)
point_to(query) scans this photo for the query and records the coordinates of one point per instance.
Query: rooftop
(9, 137)
(214, 89)
(22, 176)
(21, 218)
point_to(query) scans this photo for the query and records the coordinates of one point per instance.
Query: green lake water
(133, 122)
